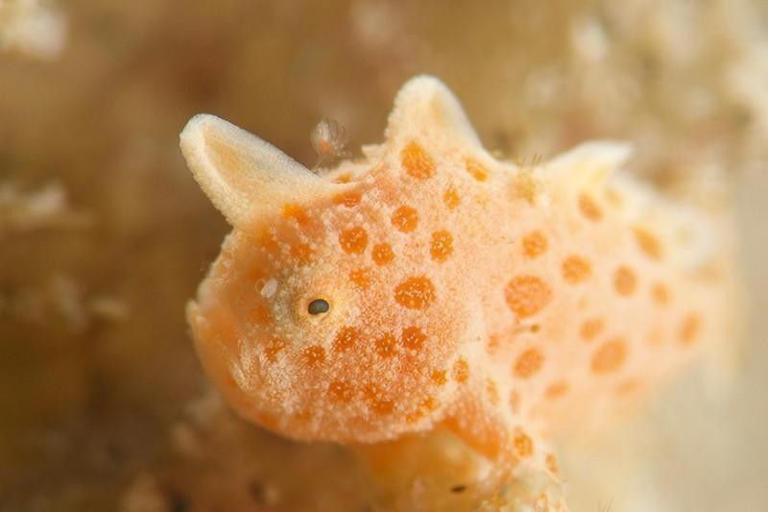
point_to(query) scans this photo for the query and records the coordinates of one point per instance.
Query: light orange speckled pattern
(506, 303)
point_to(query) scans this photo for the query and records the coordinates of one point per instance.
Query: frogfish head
(315, 321)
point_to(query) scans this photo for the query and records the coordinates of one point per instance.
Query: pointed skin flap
(246, 178)
(426, 108)
(588, 164)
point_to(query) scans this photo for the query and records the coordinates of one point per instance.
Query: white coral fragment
(33, 28)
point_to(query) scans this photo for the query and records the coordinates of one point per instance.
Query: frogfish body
(430, 285)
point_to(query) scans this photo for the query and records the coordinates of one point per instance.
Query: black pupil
(318, 306)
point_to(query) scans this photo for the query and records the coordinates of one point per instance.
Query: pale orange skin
(502, 302)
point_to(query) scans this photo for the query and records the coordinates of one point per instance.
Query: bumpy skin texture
(503, 302)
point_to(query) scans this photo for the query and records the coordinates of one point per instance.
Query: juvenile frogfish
(429, 285)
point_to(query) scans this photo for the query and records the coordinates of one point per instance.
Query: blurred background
(104, 235)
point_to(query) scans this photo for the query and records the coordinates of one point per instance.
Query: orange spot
(451, 198)
(413, 417)
(551, 462)
(576, 269)
(591, 328)
(534, 244)
(690, 328)
(313, 356)
(460, 371)
(523, 444)
(525, 186)
(361, 277)
(340, 391)
(381, 407)
(413, 338)
(442, 245)
(556, 390)
(528, 363)
(648, 243)
(415, 293)
(589, 208)
(492, 389)
(527, 295)
(476, 169)
(624, 281)
(439, 377)
(343, 178)
(346, 338)
(385, 346)
(416, 162)
(660, 293)
(430, 403)
(376, 402)
(302, 253)
(405, 219)
(493, 343)
(296, 212)
(268, 241)
(353, 240)
(302, 417)
(350, 199)
(260, 314)
(426, 406)
(382, 254)
(273, 348)
(609, 356)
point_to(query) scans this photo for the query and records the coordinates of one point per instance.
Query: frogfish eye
(318, 306)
